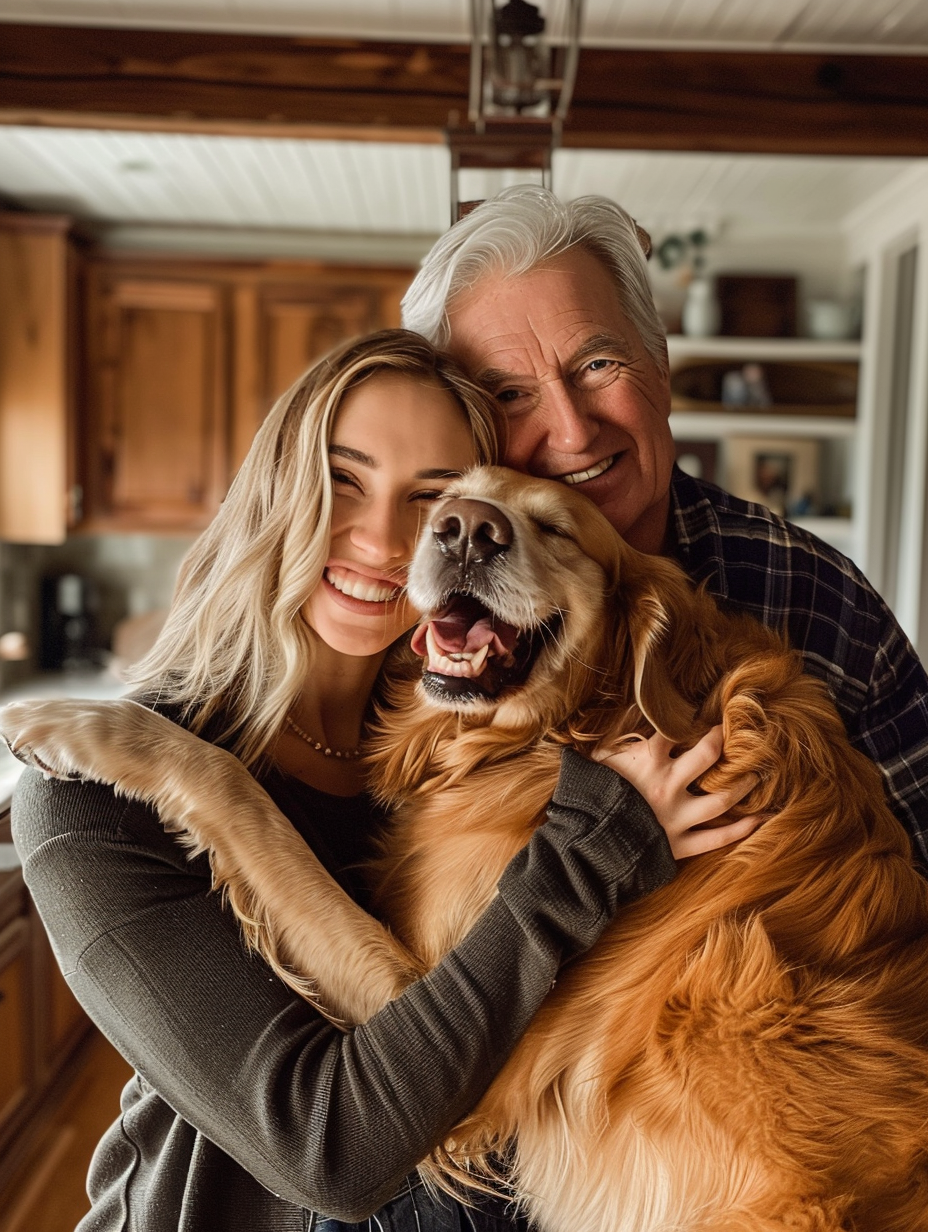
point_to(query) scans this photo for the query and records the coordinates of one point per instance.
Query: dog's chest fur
(447, 848)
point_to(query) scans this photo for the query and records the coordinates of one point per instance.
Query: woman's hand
(664, 781)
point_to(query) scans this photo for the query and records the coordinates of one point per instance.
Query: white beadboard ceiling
(395, 196)
(794, 24)
(402, 190)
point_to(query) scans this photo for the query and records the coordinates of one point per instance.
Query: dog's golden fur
(743, 1051)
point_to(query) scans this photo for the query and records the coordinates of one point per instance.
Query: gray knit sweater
(248, 1109)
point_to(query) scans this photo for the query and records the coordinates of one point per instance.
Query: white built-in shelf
(690, 425)
(698, 425)
(841, 533)
(837, 432)
(681, 345)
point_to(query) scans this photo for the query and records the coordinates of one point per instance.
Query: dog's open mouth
(471, 653)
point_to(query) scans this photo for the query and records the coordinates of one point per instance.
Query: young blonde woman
(249, 1112)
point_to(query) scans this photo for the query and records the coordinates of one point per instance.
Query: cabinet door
(35, 377)
(157, 441)
(297, 331)
(282, 328)
(15, 1020)
(59, 1019)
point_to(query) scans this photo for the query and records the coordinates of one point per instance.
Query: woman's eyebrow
(355, 455)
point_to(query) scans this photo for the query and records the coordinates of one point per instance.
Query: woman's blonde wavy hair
(234, 652)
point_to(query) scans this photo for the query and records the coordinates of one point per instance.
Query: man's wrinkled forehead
(527, 323)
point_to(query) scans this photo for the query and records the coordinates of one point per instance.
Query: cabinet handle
(75, 504)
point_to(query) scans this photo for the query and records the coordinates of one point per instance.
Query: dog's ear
(663, 637)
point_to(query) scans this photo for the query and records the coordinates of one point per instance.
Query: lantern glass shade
(520, 57)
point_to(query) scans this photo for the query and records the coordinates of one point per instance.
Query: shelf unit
(838, 434)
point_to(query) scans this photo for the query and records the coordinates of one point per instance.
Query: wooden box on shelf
(757, 305)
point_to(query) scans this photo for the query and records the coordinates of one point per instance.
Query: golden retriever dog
(744, 1050)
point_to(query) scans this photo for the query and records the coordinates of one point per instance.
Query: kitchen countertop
(101, 684)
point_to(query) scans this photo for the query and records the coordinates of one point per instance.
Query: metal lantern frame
(515, 124)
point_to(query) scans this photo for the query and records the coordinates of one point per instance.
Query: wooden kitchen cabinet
(156, 438)
(131, 386)
(16, 1056)
(40, 268)
(184, 360)
(42, 1026)
(286, 317)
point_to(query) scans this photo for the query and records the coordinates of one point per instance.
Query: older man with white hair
(548, 305)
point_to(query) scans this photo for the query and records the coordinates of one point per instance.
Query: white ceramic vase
(701, 316)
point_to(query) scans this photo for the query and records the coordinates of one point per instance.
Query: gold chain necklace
(318, 746)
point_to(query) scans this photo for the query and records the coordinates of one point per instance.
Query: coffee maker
(68, 607)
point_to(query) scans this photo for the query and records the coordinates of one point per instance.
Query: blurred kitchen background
(166, 272)
(199, 197)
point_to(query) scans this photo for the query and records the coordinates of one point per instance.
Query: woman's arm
(330, 1121)
(292, 911)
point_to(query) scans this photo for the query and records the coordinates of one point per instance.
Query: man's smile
(592, 472)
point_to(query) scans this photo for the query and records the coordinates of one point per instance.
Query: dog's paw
(32, 730)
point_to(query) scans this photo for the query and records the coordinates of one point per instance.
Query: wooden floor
(49, 1194)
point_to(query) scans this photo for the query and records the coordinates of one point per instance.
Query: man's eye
(600, 365)
(597, 371)
(508, 395)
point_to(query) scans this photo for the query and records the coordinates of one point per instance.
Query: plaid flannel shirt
(794, 582)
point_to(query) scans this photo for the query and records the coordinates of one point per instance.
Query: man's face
(584, 401)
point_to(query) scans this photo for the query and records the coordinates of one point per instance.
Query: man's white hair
(519, 229)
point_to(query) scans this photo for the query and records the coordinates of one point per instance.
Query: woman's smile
(360, 589)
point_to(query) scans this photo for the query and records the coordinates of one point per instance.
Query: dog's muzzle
(471, 652)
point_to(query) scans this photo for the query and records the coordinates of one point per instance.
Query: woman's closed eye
(344, 479)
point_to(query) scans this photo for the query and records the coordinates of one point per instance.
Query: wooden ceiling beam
(192, 81)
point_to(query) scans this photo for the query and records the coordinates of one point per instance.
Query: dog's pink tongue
(465, 628)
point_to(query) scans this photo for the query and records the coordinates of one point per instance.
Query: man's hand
(693, 823)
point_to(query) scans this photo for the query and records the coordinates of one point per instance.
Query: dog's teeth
(430, 645)
(478, 661)
(460, 663)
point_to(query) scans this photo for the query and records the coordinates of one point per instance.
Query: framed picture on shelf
(699, 459)
(780, 472)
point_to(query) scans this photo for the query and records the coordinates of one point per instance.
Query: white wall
(894, 402)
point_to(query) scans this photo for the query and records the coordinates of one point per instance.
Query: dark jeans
(416, 1210)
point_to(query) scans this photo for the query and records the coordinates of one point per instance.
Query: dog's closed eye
(552, 528)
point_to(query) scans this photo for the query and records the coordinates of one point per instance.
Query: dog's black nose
(472, 531)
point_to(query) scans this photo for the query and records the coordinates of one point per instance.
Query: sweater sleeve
(327, 1120)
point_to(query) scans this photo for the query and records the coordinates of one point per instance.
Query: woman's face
(396, 444)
